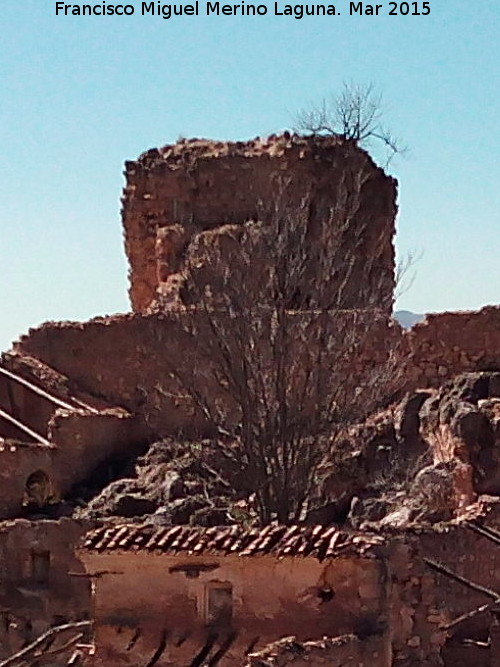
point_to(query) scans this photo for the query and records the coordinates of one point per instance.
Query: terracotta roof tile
(280, 541)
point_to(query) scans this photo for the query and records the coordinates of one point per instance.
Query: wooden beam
(25, 429)
(442, 569)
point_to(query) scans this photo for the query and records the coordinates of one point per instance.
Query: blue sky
(79, 95)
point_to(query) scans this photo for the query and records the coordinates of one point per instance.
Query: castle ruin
(91, 418)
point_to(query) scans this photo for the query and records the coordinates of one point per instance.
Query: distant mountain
(407, 319)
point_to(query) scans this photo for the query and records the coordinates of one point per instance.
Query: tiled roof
(280, 541)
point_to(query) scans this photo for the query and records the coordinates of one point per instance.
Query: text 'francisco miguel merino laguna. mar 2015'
(217, 8)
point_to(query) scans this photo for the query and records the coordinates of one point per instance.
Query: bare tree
(405, 274)
(354, 114)
(279, 323)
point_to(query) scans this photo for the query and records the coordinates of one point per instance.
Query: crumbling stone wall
(270, 599)
(413, 620)
(126, 360)
(84, 440)
(80, 442)
(471, 551)
(71, 439)
(172, 195)
(121, 360)
(42, 583)
(179, 190)
(18, 461)
(385, 596)
(446, 344)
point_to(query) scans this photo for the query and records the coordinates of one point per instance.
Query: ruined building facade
(80, 399)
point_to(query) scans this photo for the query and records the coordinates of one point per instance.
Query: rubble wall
(474, 557)
(42, 583)
(18, 461)
(387, 598)
(122, 360)
(127, 361)
(469, 550)
(84, 440)
(446, 344)
(28, 407)
(79, 442)
(174, 192)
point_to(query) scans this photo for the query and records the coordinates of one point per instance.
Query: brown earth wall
(389, 600)
(29, 408)
(471, 551)
(32, 598)
(85, 440)
(474, 556)
(447, 344)
(81, 441)
(174, 192)
(122, 359)
(17, 462)
(413, 623)
(127, 361)
(271, 599)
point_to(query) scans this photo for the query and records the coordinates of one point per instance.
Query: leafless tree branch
(405, 274)
(278, 319)
(354, 114)
(442, 569)
(45, 647)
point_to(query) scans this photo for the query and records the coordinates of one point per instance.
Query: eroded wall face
(265, 599)
(86, 440)
(413, 619)
(42, 583)
(125, 360)
(172, 194)
(474, 556)
(447, 344)
(18, 463)
(389, 602)
(471, 552)
(129, 361)
(26, 407)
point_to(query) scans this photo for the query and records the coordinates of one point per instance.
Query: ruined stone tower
(174, 193)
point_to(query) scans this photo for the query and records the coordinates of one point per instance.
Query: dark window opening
(326, 594)
(40, 566)
(38, 490)
(4, 622)
(219, 604)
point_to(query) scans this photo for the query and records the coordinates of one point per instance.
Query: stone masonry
(173, 193)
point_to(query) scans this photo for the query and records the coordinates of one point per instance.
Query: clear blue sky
(80, 95)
